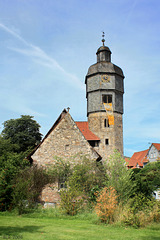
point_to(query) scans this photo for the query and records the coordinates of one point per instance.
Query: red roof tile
(138, 158)
(127, 159)
(157, 145)
(84, 128)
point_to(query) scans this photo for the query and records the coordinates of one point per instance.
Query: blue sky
(46, 48)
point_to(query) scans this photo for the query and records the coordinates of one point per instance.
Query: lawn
(39, 227)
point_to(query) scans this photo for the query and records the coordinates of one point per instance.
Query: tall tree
(120, 177)
(23, 131)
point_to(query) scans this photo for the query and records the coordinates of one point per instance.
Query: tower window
(106, 123)
(107, 141)
(107, 98)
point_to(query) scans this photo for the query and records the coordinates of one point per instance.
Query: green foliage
(86, 176)
(82, 178)
(24, 132)
(18, 137)
(120, 177)
(71, 201)
(140, 211)
(6, 146)
(140, 202)
(60, 170)
(28, 185)
(147, 179)
(10, 165)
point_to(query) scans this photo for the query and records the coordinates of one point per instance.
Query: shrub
(28, 185)
(71, 201)
(138, 212)
(106, 204)
(120, 177)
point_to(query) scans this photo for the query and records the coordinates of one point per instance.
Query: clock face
(105, 78)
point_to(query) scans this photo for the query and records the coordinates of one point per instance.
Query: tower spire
(103, 40)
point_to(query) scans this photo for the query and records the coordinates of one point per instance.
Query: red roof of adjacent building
(138, 158)
(84, 128)
(157, 145)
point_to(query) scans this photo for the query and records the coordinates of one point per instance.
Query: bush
(71, 201)
(106, 204)
(138, 212)
(28, 185)
(10, 165)
(120, 177)
(87, 176)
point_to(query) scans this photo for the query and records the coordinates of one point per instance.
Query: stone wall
(65, 141)
(114, 133)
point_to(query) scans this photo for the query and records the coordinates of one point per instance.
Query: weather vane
(103, 40)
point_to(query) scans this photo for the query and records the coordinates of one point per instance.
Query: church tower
(104, 93)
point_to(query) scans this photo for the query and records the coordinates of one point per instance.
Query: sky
(46, 48)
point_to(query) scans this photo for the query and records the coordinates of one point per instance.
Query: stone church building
(101, 134)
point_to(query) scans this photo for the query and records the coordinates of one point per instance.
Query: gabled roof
(157, 145)
(64, 112)
(84, 128)
(138, 158)
(126, 159)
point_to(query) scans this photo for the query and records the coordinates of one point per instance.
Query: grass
(52, 225)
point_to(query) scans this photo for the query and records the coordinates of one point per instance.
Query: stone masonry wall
(65, 141)
(114, 133)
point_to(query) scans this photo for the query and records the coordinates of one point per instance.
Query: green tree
(119, 176)
(87, 177)
(10, 165)
(6, 147)
(147, 179)
(23, 131)
(28, 184)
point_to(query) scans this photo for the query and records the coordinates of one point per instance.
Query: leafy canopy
(148, 178)
(23, 131)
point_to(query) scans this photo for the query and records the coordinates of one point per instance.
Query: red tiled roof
(84, 128)
(157, 145)
(138, 158)
(127, 159)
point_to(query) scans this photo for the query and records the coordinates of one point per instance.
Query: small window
(107, 98)
(62, 183)
(106, 123)
(107, 141)
(67, 147)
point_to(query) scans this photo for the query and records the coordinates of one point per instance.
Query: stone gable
(64, 140)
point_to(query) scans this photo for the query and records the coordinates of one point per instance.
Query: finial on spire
(103, 40)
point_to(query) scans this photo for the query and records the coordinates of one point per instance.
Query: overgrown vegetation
(18, 138)
(106, 204)
(117, 194)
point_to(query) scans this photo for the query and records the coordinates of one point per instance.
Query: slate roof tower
(104, 93)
